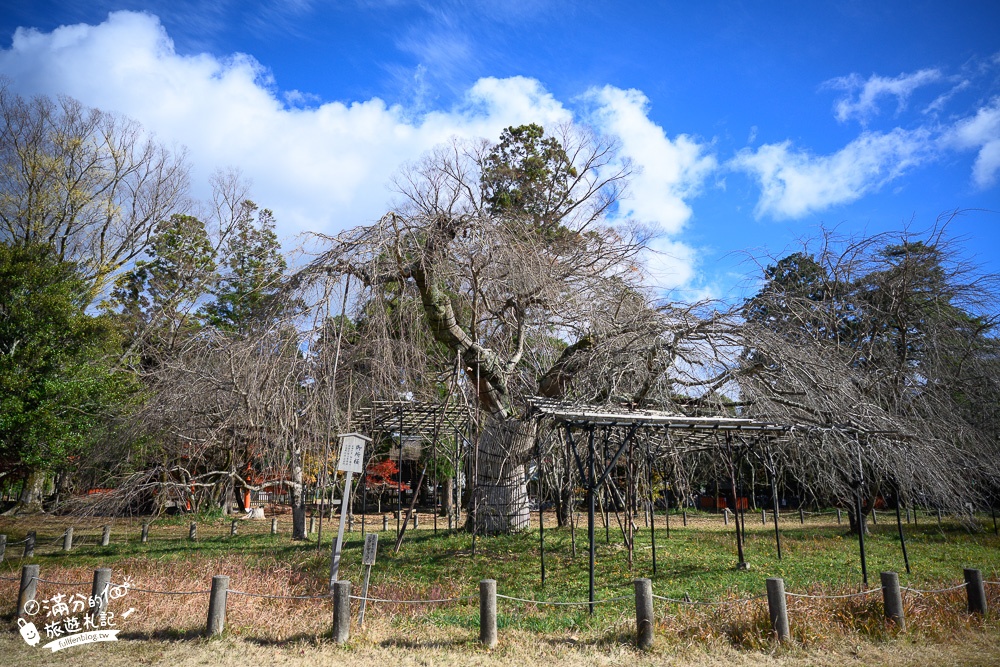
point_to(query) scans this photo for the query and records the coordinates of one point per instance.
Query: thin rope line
(940, 590)
(146, 590)
(698, 602)
(833, 597)
(438, 600)
(11, 578)
(63, 583)
(544, 602)
(280, 597)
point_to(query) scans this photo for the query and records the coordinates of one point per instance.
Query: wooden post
(488, 612)
(802, 516)
(99, 591)
(644, 619)
(68, 539)
(193, 532)
(725, 516)
(415, 523)
(350, 523)
(217, 605)
(341, 611)
(274, 525)
(3, 546)
(763, 517)
(106, 536)
(892, 599)
(838, 516)
(29, 545)
(29, 583)
(975, 591)
(385, 523)
(145, 533)
(777, 607)
(684, 516)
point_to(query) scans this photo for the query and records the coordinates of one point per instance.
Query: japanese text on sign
(371, 546)
(352, 452)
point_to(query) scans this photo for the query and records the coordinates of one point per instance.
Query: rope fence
(341, 597)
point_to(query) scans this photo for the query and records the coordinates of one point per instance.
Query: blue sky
(753, 123)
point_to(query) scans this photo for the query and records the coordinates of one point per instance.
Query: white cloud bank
(325, 168)
(795, 183)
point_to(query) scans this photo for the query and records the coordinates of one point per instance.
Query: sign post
(367, 560)
(352, 457)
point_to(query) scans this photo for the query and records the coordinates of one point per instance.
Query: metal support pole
(860, 522)
(902, 540)
(590, 515)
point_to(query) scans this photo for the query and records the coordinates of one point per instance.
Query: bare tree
(508, 249)
(875, 347)
(90, 183)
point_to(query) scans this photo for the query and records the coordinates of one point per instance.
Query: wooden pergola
(621, 425)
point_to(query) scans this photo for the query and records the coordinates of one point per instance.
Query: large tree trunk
(298, 495)
(32, 493)
(499, 501)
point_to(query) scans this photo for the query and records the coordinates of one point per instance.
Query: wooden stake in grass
(892, 599)
(975, 591)
(341, 611)
(145, 533)
(29, 584)
(777, 607)
(217, 605)
(644, 619)
(488, 612)
(106, 536)
(99, 591)
(68, 539)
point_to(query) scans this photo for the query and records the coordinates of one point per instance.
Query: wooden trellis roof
(680, 430)
(415, 417)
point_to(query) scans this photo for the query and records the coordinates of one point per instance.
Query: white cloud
(863, 96)
(981, 132)
(325, 167)
(795, 183)
(668, 173)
